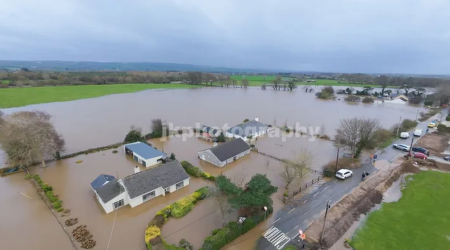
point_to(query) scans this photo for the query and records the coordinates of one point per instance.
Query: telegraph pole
(324, 220)
(399, 122)
(337, 158)
(410, 147)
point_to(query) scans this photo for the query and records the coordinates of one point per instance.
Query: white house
(225, 153)
(142, 186)
(211, 132)
(246, 130)
(398, 98)
(144, 154)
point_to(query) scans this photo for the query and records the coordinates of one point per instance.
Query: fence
(283, 160)
(307, 185)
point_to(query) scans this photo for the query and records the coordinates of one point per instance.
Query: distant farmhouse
(144, 154)
(247, 130)
(225, 153)
(398, 98)
(210, 132)
(139, 187)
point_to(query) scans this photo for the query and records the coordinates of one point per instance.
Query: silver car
(401, 147)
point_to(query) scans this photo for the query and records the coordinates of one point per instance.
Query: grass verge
(420, 219)
(16, 97)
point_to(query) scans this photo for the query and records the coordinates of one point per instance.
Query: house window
(148, 196)
(179, 185)
(118, 204)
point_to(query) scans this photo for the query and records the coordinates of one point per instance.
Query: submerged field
(16, 97)
(419, 220)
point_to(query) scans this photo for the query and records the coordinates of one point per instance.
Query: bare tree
(289, 173)
(263, 87)
(291, 85)
(277, 83)
(296, 167)
(234, 83)
(220, 201)
(29, 137)
(356, 133)
(244, 83)
(239, 178)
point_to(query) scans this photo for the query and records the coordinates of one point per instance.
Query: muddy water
(105, 120)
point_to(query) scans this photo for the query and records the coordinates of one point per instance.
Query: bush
(134, 135)
(182, 207)
(47, 188)
(328, 89)
(216, 241)
(152, 232)
(115, 151)
(447, 118)
(185, 245)
(285, 194)
(352, 98)
(60, 209)
(428, 102)
(328, 172)
(246, 120)
(158, 221)
(367, 99)
(349, 163)
(190, 169)
(172, 156)
(165, 212)
(51, 196)
(235, 230)
(57, 204)
(443, 129)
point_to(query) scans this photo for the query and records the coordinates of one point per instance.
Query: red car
(417, 155)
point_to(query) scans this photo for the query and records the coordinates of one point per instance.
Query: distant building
(210, 132)
(141, 186)
(246, 130)
(144, 154)
(225, 153)
(398, 98)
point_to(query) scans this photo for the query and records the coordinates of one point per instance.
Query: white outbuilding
(144, 154)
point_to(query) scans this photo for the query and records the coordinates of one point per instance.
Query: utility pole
(417, 114)
(324, 220)
(337, 158)
(399, 122)
(410, 147)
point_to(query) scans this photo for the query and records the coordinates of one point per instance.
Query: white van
(418, 132)
(404, 135)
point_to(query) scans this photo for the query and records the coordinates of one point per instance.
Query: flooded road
(96, 122)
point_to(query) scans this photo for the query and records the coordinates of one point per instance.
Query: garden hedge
(195, 171)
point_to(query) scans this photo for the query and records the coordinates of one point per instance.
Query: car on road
(421, 150)
(432, 125)
(344, 174)
(418, 132)
(417, 155)
(447, 158)
(404, 135)
(401, 147)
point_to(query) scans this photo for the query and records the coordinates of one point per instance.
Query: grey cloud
(374, 36)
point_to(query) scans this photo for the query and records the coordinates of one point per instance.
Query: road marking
(292, 210)
(304, 202)
(277, 238)
(276, 220)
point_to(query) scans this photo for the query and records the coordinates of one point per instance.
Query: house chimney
(257, 119)
(137, 169)
(215, 144)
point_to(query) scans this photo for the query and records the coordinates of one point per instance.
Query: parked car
(417, 155)
(432, 125)
(447, 158)
(344, 174)
(404, 135)
(418, 132)
(421, 150)
(401, 147)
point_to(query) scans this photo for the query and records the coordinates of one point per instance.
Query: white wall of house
(174, 188)
(148, 162)
(109, 206)
(139, 199)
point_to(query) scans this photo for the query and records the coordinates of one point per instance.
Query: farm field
(16, 97)
(419, 220)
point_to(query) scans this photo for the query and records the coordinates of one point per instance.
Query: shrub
(172, 156)
(443, 129)
(165, 212)
(190, 169)
(248, 224)
(285, 194)
(51, 196)
(158, 221)
(349, 163)
(182, 207)
(57, 204)
(328, 172)
(47, 187)
(115, 151)
(367, 99)
(60, 209)
(328, 89)
(201, 193)
(352, 98)
(235, 230)
(152, 232)
(216, 241)
(447, 118)
(246, 120)
(180, 131)
(156, 240)
(28, 177)
(428, 102)
(134, 135)
(185, 245)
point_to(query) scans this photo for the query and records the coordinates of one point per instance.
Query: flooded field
(105, 120)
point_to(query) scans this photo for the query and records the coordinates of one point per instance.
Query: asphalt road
(301, 213)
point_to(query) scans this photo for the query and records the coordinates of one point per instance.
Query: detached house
(210, 132)
(225, 153)
(141, 186)
(144, 154)
(246, 130)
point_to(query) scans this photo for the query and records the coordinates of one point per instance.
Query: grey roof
(101, 180)
(247, 128)
(209, 130)
(110, 190)
(163, 176)
(144, 150)
(229, 149)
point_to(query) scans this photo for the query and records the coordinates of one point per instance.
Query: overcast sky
(372, 36)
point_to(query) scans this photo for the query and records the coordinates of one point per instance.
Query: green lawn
(16, 97)
(419, 220)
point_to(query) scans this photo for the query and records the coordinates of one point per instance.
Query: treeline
(393, 80)
(26, 77)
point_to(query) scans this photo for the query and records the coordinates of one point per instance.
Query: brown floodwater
(100, 121)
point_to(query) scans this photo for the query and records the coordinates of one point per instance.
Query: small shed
(144, 154)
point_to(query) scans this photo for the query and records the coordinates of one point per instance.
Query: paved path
(301, 213)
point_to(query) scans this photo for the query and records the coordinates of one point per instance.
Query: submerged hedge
(53, 199)
(177, 209)
(196, 172)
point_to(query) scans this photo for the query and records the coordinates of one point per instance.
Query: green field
(16, 97)
(5, 81)
(260, 80)
(419, 220)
